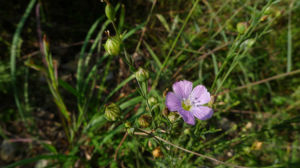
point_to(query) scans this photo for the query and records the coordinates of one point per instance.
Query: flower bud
(277, 13)
(130, 131)
(241, 27)
(145, 120)
(110, 12)
(127, 124)
(247, 149)
(152, 101)
(113, 45)
(172, 117)
(187, 131)
(141, 75)
(112, 112)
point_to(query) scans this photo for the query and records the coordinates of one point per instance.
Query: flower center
(186, 104)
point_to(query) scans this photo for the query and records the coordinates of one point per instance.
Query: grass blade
(290, 43)
(13, 55)
(153, 55)
(124, 82)
(80, 66)
(162, 19)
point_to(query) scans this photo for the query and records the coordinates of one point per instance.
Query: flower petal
(173, 102)
(187, 116)
(202, 112)
(183, 89)
(200, 95)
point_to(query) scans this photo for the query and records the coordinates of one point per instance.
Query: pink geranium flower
(188, 102)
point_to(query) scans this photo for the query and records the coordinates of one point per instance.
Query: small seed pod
(145, 120)
(152, 101)
(141, 75)
(112, 112)
(110, 12)
(113, 45)
(241, 27)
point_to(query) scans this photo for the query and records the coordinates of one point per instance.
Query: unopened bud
(112, 112)
(141, 75)
(277, 13)
(113, 45)
(241, 27)
(130, 131)
(152, 101)
(187, 131)
(247, 149)
(110, 12)
(127, 124)
(172, 117)
(145, 121)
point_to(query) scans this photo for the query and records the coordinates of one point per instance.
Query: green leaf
(132, 31)
(68, 87)
(164, 22)
(131, 102)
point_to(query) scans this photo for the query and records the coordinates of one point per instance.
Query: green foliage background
(53, 92)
